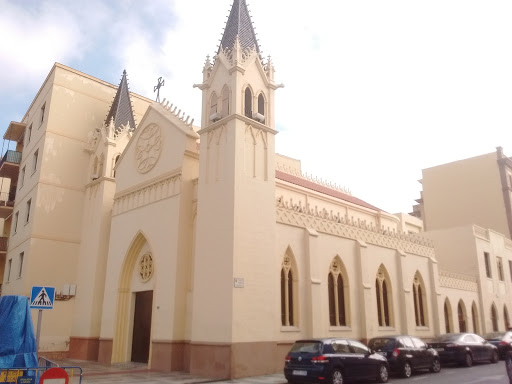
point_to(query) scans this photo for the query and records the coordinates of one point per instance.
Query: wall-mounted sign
(239, 282)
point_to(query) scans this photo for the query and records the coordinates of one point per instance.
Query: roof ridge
(172, 111)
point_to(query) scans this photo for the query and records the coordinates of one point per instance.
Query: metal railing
(11, 157)
(44, 362)
(7, 199)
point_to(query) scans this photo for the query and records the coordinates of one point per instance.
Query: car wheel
(406, 370)
(468, 360)
(436, 366)
(337, 376)
(383, 374)
(494, 357)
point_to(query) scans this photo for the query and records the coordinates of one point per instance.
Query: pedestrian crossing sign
(42, 297)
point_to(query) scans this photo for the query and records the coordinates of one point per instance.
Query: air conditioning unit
(258, 117)
(215, 117)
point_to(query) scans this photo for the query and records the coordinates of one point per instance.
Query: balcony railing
(7, 198)
(3, 244)
(11, 157)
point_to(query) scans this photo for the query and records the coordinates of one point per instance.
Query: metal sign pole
(38, 332)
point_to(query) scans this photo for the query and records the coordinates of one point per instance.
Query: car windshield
(382, 343)
(307, 347)
(495, 335)
(447, 337)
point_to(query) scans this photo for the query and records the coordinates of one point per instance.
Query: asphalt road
(477, 374)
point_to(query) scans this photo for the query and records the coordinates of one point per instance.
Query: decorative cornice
(359, 230)
(294, 172)
(225, 120)
(448, 279)
(147, 194)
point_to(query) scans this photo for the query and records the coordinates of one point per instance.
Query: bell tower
(236, 278)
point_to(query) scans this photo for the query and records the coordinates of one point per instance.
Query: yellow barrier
(31, 375)
(10, 376)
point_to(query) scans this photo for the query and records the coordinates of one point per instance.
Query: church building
(195, 246)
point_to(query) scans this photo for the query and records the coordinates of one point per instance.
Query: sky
(375, 90)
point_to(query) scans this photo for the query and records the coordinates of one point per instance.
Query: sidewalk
(96, 373)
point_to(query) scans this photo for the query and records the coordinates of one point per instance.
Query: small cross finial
(157, 87)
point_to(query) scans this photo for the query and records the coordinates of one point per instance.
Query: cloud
(32, 41)
(374, 91)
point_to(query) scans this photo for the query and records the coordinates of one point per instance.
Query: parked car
(464, 348)
(406, 354)
(502, 340)
(333, 361)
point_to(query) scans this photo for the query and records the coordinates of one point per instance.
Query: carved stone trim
(456, 280)
(148, 194)
(149, 147)
(336, 225)
(146, 267)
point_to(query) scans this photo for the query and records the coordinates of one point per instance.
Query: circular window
(149, 146)
(146, 267)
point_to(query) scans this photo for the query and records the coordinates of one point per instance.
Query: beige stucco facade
(222, 248)
(483, 291)
(475, 190)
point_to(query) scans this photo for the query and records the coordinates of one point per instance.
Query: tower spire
(239, 24)
(121, 112)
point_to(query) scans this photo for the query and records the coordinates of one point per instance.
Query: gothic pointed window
(213, 104)
(494, 318)
(248, 103)
(261, 108)
(383, 298)
(225, 101)
(261, 104)
(288, 287)
(461, 311)
(116, 159)
(447, 317)
(336, 287)
(505, 317)
(474, 317)
(419, 300)
(100, 165)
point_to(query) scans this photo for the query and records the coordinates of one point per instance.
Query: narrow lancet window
(248, 102)
(225, 102)
(213, 104)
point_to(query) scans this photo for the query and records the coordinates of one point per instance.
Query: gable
(156, 149)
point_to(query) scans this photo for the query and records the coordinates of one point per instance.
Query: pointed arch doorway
(132, 326)
(141, 334)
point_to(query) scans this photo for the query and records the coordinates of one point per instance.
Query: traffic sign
(54, 375)
(42, 297)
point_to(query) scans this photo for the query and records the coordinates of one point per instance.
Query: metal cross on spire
(157, 87)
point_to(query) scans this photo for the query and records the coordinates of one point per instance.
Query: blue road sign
(42, 297)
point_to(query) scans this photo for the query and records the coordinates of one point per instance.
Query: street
(479, 373)
(96, 373)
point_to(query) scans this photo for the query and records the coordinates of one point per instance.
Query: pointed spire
(239, 24)
(121, 112)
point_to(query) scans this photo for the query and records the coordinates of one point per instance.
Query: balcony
(7, 203)
(3, 244)
(10, 165)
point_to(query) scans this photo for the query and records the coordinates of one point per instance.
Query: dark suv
(406, 354)
(333, 361)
